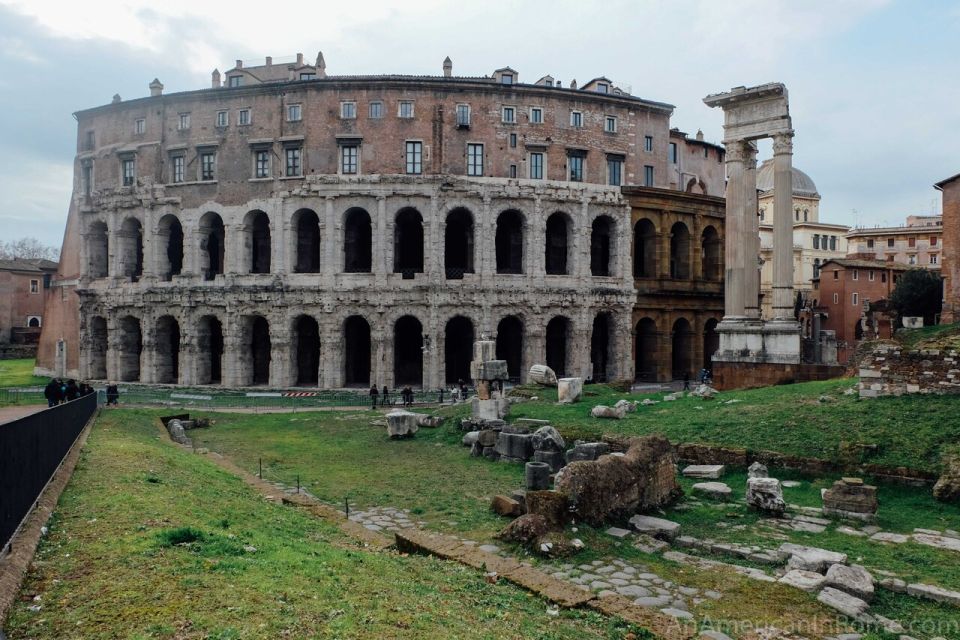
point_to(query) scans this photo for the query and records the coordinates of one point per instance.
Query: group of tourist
(59, 391)
(384, 397)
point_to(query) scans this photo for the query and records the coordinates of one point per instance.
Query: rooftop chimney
(447, 67)
(116, 98)
(699, 135)
(269, 61)
(321, 65)
(299, 59)
(239, 64)
(573, 83)
(156, 88)
(215, 79)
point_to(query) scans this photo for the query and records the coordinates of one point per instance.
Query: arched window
(679, 251)
(306, 341)
(682, 353)
(458, 349)
(97, 336)
(458, 244)
(510, 345)
(710, 253)
(357, 242)
(644, 249)
(509, 242)
(307, 226)
(131, 249)
(557, 245)
(645, 353)
(601, 241)
(167, 365)
(558, 330)
(408, 243)
(356, 351)
(170, 234)
(806, 214)
(259, 348)
(210, 351)
(257, 230)
(407, 352)
(601, 346)
(212, 236)
(131, 346)
(98, 251)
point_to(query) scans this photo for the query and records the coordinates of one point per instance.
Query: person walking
(50, 392)
(385, 396)
(373, 396)
(686, 381)
(113, 394)
(73, 391)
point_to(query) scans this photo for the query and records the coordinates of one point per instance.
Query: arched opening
(557, 246)
(259, 347)
(212, 238)
(97, 336)
(33, 322)
(710, 253)
(357, 242)
(307, 226)
(679, 251)
(510, 345)
(356, 352)
(682, 353)
(408, 243)
(407, 352)
(130, 348)
(257, 229)
(644, 249)
(816, 268)
(98, 250)
(711, 343)
(601, 346)
(131, 249)
(858, 329)
(509, 242)
(458, 244)
(458, 349)
(170, 236)
(645, 350)
(601, 240)
(306, 342)
(167, 365)
(558, 330)
(210, 351)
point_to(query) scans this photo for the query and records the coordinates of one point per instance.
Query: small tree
(919, 293)
(27, 249)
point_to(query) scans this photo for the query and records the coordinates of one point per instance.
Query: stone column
(280, 238)
(380, 240)
(330, 241)
(734, 282)
(331, 356)
(782, 227)
(236, 355)
(282, 363)
(113, 348)
(148, 349)
(751, 275)
(381, 351)
(237, 251)
(189, 352)
(434, 372)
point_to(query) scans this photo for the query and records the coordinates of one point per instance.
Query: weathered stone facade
(890, 371)
(950, 189)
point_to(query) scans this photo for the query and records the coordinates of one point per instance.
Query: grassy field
(940, 336)
(19, 373)
(150, 541)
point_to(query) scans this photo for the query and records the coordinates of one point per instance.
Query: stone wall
(891, 371)
(749, 375)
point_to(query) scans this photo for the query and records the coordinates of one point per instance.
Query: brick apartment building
(950, 190)
(846, 287)
(22, 285)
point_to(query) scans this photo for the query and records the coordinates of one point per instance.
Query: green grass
(19, 373)
(946, 334)
(150, 541)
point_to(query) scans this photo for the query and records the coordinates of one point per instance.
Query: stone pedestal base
(751, 375)
(758, 342)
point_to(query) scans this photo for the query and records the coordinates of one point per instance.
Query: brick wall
(750, 375)
(889, 371)
(951, 251)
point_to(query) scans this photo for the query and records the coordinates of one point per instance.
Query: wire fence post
(346, 506)
(260, 468)
(298, 484)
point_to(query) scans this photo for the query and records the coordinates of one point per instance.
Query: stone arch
(601, 346)
(458, 245)
(258, 347)
(306, 345)
(644, 249)
(557, 250)
(131, 249)
(711, 342)
(458, 341)
(602, 245)
(209, 350)
(682, 348)
(557, 342)
(97, 340)
(508, 242)
(408, 242)
(98, 250)
(407, 351)
(170, 237)
(167, 339)
(212, 245)
(510, 345)
(357, 241)
(256, 230)
(645, 350)
(130, 347)
(679, 251)
(306, 225)
(711, 253)
(356, 351)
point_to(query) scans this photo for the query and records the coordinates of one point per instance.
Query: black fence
(30, 450)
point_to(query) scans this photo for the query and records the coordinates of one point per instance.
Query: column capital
(734, 150)
(783, 143)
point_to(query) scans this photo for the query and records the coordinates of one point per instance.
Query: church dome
(802, 184)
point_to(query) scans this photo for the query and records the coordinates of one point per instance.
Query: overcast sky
(874, 84)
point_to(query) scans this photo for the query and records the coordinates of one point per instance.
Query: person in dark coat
(61, 392)
(51, 391)
(385, 396)
(113, 394)
(373, 396)
(73, 391)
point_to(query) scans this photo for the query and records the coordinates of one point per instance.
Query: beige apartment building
(918, 243)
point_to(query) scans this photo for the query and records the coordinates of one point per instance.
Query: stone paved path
(385, 519)
(9, 414)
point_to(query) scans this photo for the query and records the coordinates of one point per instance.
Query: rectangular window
(871, 276)
(933, 241)
(706, 152)
(513, 141)
(911, 259)
(856, 274)
(536, 166)
(889, 242)
(184, 121)
(244, 117)
(648, 176)
(294, 113)
(855, 299)
(614, 170)
(912, 241)
(208, 165)
(513, 171)
(34, 286)
(506, 78)
(508, 115)
(261, 161)
(870, 244)
(673, 153)
(89, 141)
(348, 110)
(610, 124)
(816, 241)
(177, 168)
(833, 243)
(128, 171)
(86, 177)
(575, 163)
(648, 144)
(348, 159)
(140, 126)
(463, 115)
(414, 156)
(576, 119)
(235, 81)
(308, 76)
(883, 277)
(536, 115)
(294, 167)
(474, 159)
(836, 275)
(223, 118)
(836, 298)
(375, 110)
(933, 258)
(603, 87)
(405, 109)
